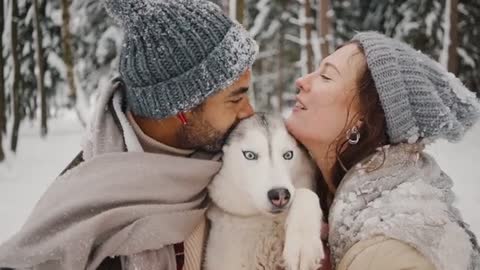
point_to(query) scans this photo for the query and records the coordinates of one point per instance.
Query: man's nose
(246, 110)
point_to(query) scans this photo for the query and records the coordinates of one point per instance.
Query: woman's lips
(299, 105)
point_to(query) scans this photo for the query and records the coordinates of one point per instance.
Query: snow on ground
(24, 177)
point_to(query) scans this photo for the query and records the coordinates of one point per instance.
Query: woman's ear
(359, 124)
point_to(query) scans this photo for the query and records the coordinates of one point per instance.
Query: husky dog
(264, 213)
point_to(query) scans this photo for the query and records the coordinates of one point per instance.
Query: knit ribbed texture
(194, 248)
(176, 53)
(419, 97)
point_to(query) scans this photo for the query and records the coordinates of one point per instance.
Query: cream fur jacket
(394, 211)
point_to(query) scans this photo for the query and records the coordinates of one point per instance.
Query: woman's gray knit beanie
(176, 53)
(419, 97)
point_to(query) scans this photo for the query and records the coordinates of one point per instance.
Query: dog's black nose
(279, 197)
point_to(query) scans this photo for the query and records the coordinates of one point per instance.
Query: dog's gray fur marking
(263, 121)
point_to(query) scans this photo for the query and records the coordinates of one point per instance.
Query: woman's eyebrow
(328, 64)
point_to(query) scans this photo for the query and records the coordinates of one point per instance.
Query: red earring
(182, 118)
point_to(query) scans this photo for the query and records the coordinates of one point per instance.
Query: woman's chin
(300, 129)
(289, 122)
(294, 126)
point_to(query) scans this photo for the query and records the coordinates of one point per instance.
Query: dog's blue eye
(250, 155)
(288, 155)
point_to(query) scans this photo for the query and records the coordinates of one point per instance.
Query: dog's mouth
(279, 210)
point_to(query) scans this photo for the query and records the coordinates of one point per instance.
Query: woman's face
(326, 103)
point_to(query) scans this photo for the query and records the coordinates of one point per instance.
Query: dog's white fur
(245, 233)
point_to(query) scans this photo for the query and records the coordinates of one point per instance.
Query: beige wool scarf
(113, 204)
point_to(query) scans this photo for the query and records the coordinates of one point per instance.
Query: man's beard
(201, 135)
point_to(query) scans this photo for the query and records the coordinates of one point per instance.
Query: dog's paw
(304, 254)
(303, 248)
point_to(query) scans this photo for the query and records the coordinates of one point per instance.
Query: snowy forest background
(57, 53)
(65, 50)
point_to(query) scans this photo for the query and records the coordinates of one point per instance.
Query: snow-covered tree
(40, 69)
(68, 54)
(468, 46)
(15, 52)
(430, 26)
(306, 23)
(97, 44)
(54, 69)
(273, 25)
(324, 28)
(27, 92)
(2, 83)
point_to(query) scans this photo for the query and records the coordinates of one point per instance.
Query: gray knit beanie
(419, 97)
(176, 53)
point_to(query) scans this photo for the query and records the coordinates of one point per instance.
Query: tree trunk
(225, 6)
(2, 85)
(280, 88)
(16, 78)
(308, 35)
(68, 52)
(323, 27)
(236, 9)
(452, 49)
(41, 73)
(257, 71)
(240, 11)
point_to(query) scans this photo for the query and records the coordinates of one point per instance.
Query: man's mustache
(230, 130)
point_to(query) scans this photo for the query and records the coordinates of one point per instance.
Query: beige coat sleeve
(382, 253)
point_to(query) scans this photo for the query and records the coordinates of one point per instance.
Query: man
(134, 198)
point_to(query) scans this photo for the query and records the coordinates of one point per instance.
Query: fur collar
(400, 192)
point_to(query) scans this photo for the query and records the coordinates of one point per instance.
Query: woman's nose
(301, 84)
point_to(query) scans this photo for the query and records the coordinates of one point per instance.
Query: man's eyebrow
(328, 64)
(239, 91)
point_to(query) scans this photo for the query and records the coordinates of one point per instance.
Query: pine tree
(306, 19)
(270, 23)
(19, 67)
(468, 49)
(324, 27)
(16, 76)
(2, 84)
(422, 24)
(41, 72)
(452, 63)
(68, 51)
(28, 91)
(98, 41)
(55, 74)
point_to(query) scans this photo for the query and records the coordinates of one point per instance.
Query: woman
(365, 116)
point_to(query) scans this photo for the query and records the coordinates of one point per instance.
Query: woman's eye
(288, 155)
(249, 155)
(325, 77)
